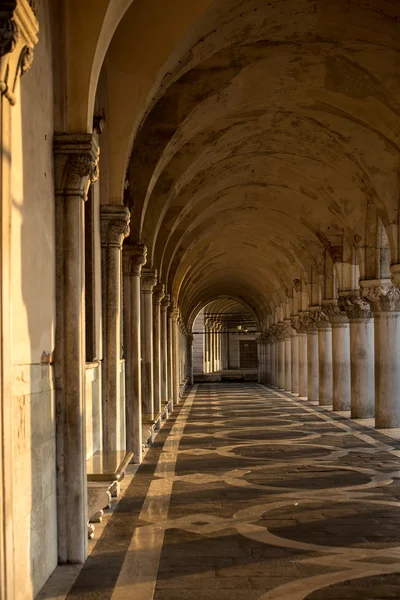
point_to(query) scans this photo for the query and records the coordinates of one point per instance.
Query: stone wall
(33, 318)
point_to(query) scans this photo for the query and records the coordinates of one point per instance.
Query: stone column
(189, 342)
(280, 349)
(288, 357)
(149, 280)
(114, 228)
(341, 377)
(158, 295)
(295, 362)
(384, 299)
(268, 359)
(303, 363)
(175, 354)
(170, 353)
(273, 358)
(362, 372)
(18, 36)
(164, 351)
(134, 257)
(312, 358)
(76, 159)
(325, 360)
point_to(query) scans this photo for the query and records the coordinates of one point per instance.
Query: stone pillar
(362, 372)
(325, 360)
(18, 36)
(341, 376)
(158, 295)
(134, 257)
(170, 353)
(303, 363)
(280, 349)
(114, 228)
(164, 351)
(273, 359)
(75, 167)
(189, 345)
(288, 358)
(295, 362)
(312, 359)
(175, 354)
(268, 360)
(384, 299)
(149, 280)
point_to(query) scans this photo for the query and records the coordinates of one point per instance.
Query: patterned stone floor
(250, 494)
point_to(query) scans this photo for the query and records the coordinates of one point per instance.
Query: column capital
(148, 280)
(287, 329)
(173, 311)
(76, 157)
(134, 258)
(278, 331)
(114, 224)
(382, 295)
(165, 302)
(355, 306)
(18, 36)
(158, 293)
(333, 313)
(307, 322)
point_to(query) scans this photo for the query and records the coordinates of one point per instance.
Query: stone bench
(149, 426)
(105, 470)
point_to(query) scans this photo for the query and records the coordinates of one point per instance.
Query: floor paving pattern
(253, 494)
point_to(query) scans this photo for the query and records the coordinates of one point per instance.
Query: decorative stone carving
(355, 307)
(270, 336)
(165, 302)
(279, 331)
(18, 36)
(148, 280)
(158, 293)
(333, 313)
(134, 258)
(76, 157)
(382, 295)
(307, 322)
(114, 225)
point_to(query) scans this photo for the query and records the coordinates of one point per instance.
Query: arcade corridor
(252, 494)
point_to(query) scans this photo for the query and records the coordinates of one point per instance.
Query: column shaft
(341, 366)
(387, 369)
(164, 350)
(273, 364)
(295, 363)
(281, 364)
(158, 295)
(312, 365)
(325, 364)
(288, 364)
(149, 280)
(134, 259)
(303, 370)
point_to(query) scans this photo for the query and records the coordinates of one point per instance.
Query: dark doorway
(248, 354)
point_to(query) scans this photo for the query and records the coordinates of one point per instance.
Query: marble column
(158, 295)
(288, 357)
(149, 280)
(170, 354)
(134, 257)
(325, 360)
(189, 346)
(295, 362)
(114, 228)
(341, 376)
(164, 351)
(273, 360)
(174, 311)
(18, 37)
(303, 363)
(268, 360)
(280, 347)
(362, 371)
(76, 159)
(312, 359)
(384, 299)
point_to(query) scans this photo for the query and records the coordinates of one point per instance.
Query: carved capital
(148, 280)
(134, 257)
(165, 302)
(382, 295)
(333, 314)
(158, 293)
(18, 36)
(279, 331)
(173, 311)
(308, 321)
(114, 225)
(355, 307)
(76, 157)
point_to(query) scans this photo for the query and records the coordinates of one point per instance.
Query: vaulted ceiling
(275, 126)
